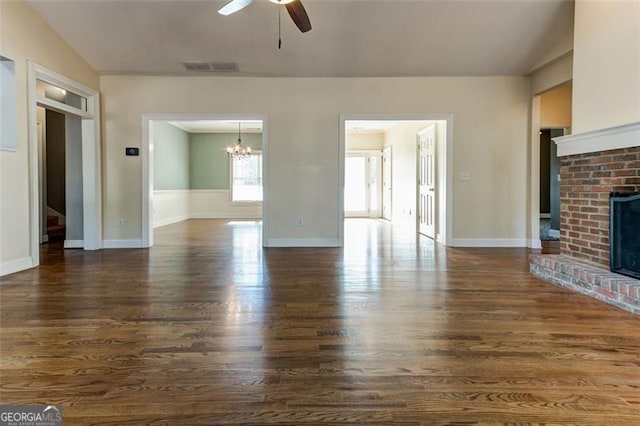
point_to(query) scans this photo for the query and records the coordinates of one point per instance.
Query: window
(246, 179)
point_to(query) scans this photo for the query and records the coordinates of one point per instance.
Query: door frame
(91, 155)
(446, 197)
(147, 164)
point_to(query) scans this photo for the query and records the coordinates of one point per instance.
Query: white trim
(446, 198)
(224, 216)
(554, 233)
(534, 244)
(171, 220)
(17, 265)
(61, 108)
(72, 244)
(545, 216)
(91, 161)
(147, 164)
(117, 244)
(618, 137)
(533, 184)
(491, 242)
(177, 191)
(303, 242)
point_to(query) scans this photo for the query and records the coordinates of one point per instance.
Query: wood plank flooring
(208, 328)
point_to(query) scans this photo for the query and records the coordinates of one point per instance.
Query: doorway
(398, 166)
(363, 184)
(80, 107)
(187, 173)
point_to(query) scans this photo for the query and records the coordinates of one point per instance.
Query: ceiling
(350, 38)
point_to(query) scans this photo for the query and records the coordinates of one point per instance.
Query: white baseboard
(115, 244)
(71, 244)
(302, 242)
(17, 265)
(489, 242)
(225, 216)
(534, 244)
(170, 220)
(554, 233)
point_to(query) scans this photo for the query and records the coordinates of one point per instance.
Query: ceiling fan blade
(233, 6)
(299, 15)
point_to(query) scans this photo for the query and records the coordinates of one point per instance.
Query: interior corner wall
(209, 162)
(364, 141)
(490, 119)
(555, 108)
(552, 75)
(171, 162)
(25, 36)
(606, 74)
(403, 138)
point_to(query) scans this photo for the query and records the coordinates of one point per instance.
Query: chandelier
(239, 150)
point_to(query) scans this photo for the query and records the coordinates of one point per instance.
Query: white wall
(25, 36)
(402, 137)
(176, 205)
(606, 81)
(490, 140)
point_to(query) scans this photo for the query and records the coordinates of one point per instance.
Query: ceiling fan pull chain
(279, 27)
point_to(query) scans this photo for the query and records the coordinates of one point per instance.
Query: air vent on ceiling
(211, 66)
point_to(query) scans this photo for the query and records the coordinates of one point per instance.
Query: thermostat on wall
(132, 151)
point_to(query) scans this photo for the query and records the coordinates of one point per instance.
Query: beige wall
(489, 139)
(357, 141)
(555, 108)
(24, 36)
(606, 83)
(403, 139)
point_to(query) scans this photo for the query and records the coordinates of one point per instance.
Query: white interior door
(386, 183)
(426, 182)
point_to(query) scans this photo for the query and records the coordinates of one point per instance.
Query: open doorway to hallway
(396, 169)
(192, 176)
(554, 121)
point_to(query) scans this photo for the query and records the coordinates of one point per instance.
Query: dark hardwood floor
(208, 328)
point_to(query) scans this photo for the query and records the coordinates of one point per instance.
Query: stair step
(52, 220)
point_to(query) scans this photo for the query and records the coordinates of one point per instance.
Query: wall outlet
(300, 221)
(120, 222)
(464, 175)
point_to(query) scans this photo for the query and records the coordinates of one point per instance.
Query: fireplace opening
(624, 235)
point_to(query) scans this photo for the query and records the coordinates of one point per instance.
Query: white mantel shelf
(625, 136)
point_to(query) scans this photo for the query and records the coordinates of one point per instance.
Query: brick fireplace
(583, 265)
(586, 181)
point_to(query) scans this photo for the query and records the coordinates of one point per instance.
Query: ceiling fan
(294, 7)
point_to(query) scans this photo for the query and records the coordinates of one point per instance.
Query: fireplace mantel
(625, 136)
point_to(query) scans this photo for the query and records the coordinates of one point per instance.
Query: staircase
(55, 229)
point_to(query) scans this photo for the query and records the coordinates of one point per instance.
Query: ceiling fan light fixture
(281, 1)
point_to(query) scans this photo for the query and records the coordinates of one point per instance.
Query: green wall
(209, 162)
(170, 157)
